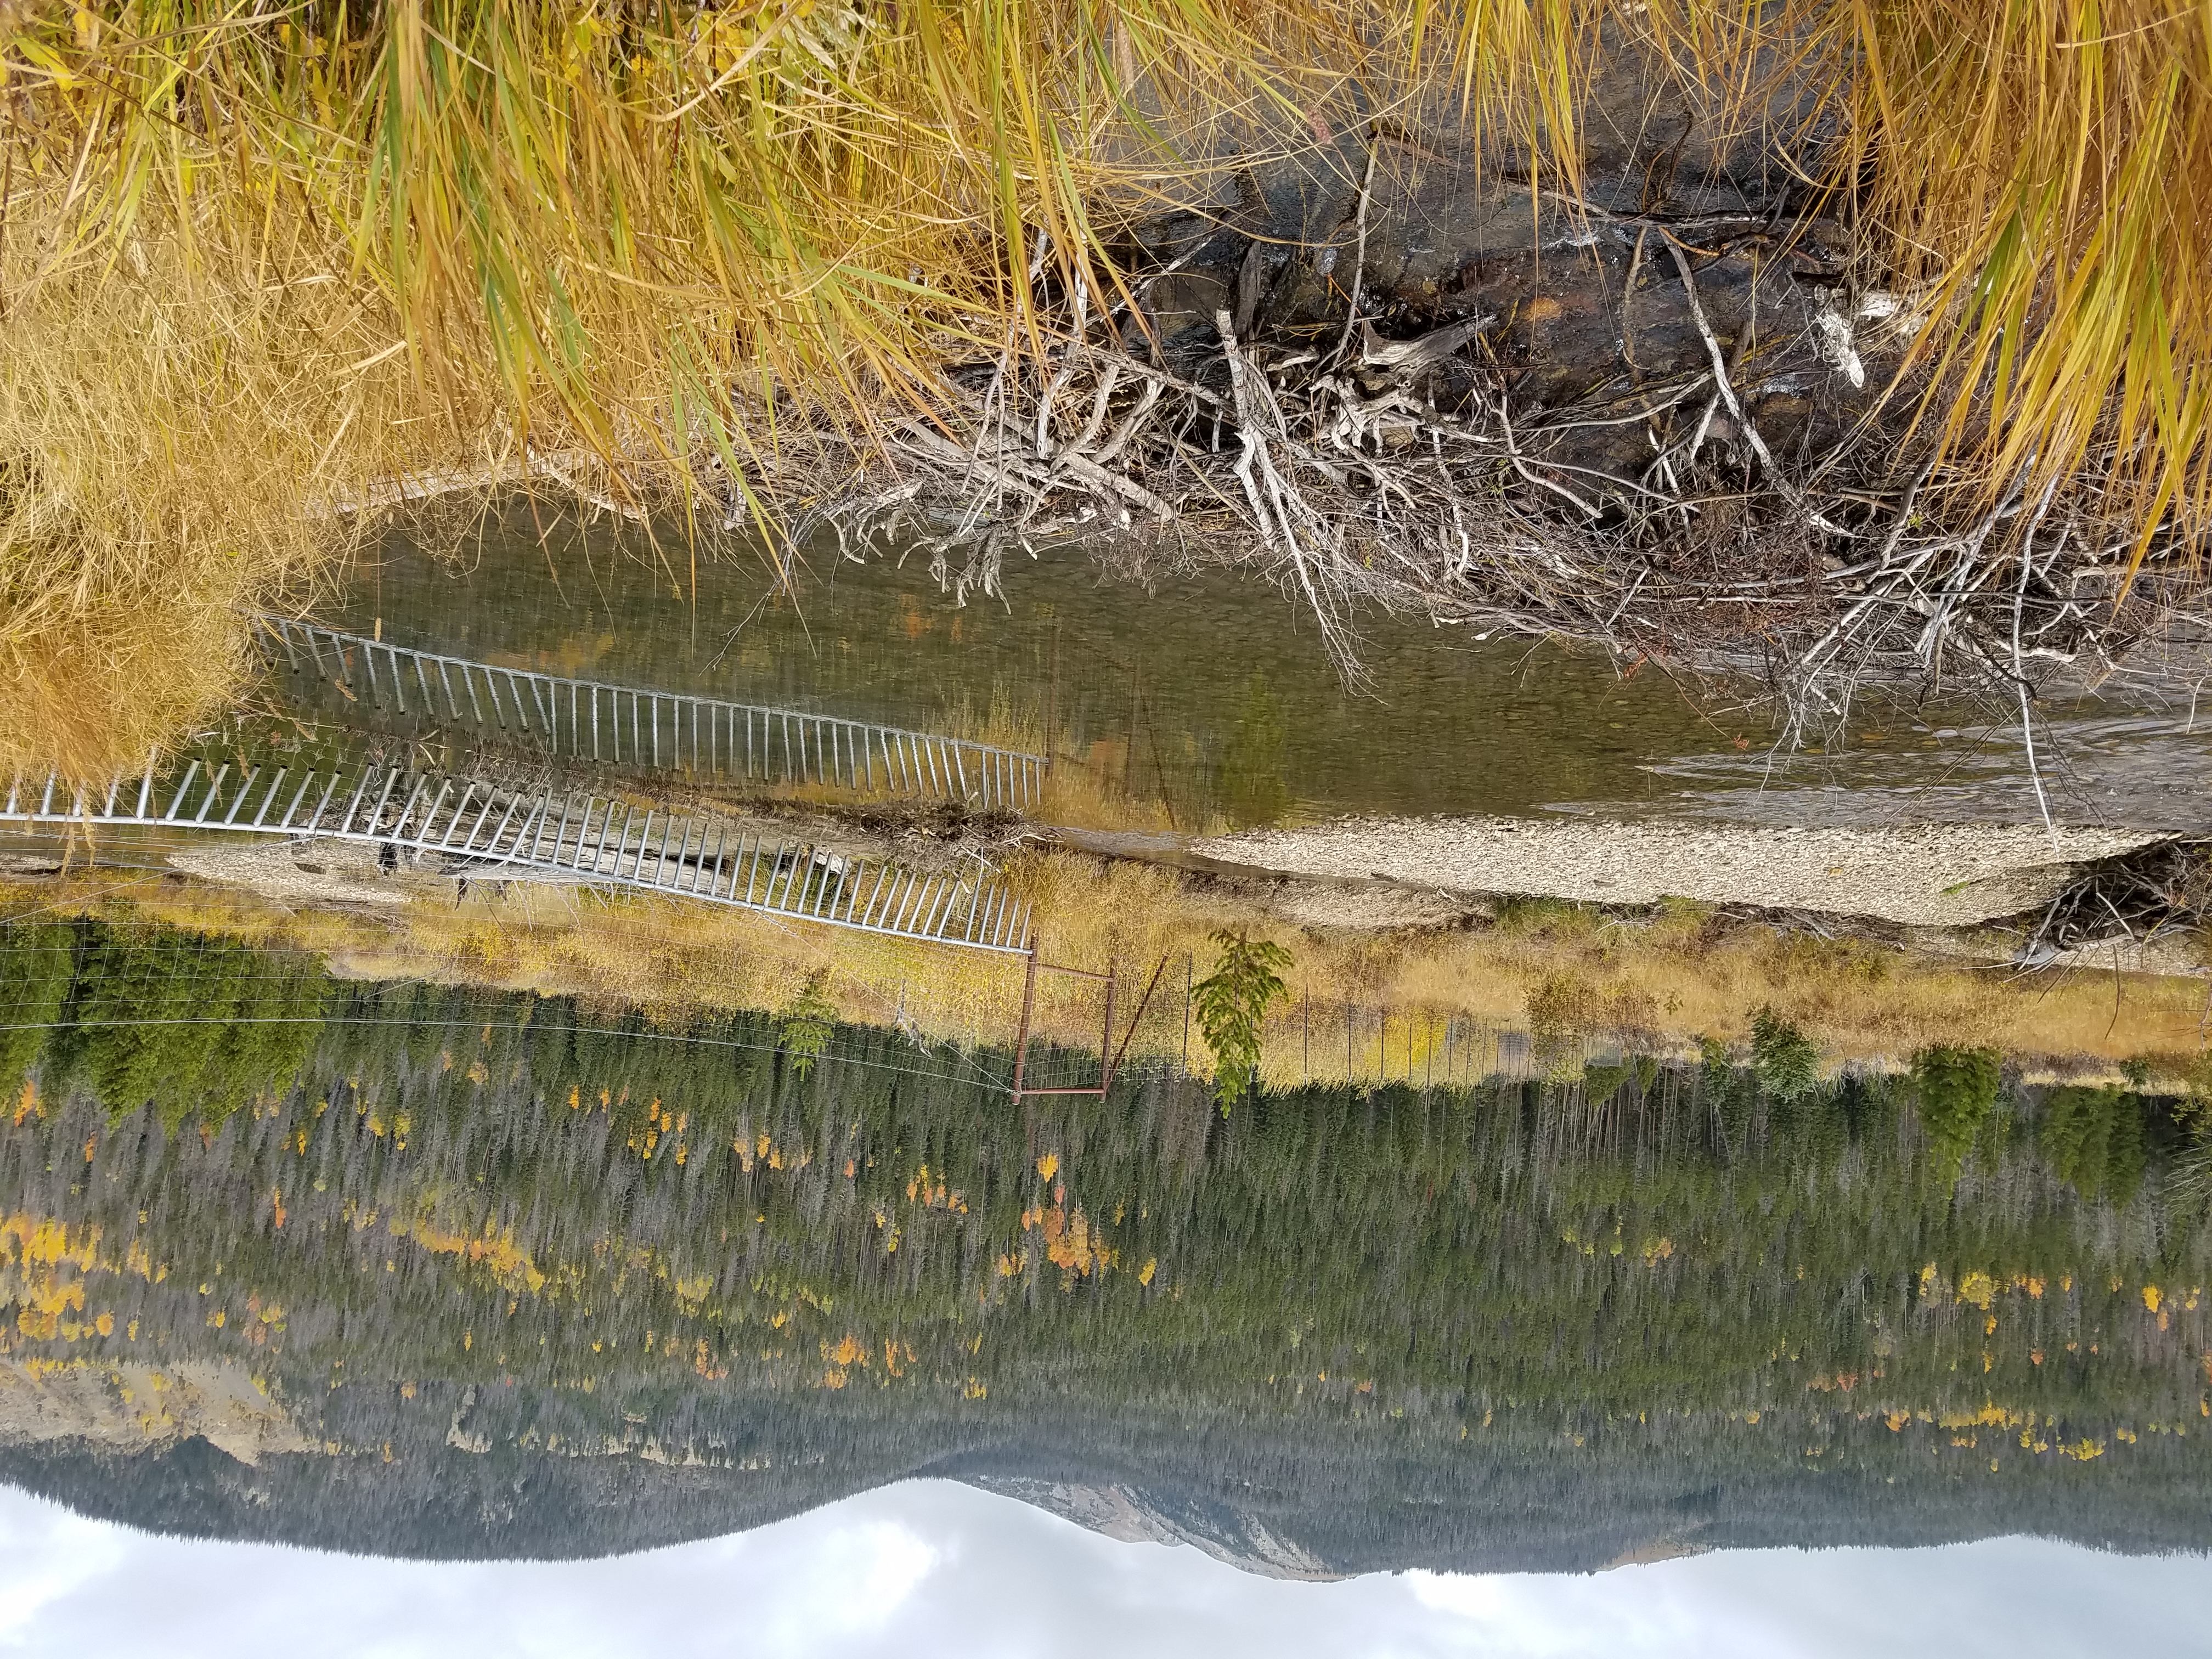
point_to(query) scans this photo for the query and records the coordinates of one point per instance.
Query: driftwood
(1355, 471)
(2163, 890)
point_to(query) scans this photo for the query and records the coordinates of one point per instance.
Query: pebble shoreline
(1937, 875)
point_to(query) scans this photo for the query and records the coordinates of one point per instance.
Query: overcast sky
(932, 1568)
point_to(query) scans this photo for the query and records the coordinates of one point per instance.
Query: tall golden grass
(254, 261)
(2044, 170)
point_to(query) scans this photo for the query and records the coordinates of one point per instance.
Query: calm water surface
(1214, 694)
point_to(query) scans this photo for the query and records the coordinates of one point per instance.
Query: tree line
(445, 1185)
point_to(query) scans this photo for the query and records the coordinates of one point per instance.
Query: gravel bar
(1943, 875)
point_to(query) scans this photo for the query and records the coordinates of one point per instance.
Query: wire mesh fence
(1305, 1041)
(1309, 1039)
(639, 727)
(590, 839)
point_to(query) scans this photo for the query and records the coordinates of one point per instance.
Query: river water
(1213, 697)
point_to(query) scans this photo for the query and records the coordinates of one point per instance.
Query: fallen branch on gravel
(2129, 901)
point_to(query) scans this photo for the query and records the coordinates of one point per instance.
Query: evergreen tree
(1788, 1064)
(1231, 1002)
(37, 962)
(1957, 1088)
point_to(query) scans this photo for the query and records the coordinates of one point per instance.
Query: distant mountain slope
(1272, 1497)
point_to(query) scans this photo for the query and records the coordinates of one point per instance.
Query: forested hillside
(589, 1281)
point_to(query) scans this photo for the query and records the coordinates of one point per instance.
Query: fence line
(1320, 1039)
(591, 840)
(667, 730)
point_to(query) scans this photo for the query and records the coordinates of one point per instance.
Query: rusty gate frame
(1109, 1057)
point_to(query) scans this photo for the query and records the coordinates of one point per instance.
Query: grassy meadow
(263, 270)
(1361, 1005)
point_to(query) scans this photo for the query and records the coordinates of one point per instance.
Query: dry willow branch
(1407, 473)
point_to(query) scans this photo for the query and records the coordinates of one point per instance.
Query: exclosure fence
(1144, 1012)
(669, 730)
(1304, 1041)
(589, 840)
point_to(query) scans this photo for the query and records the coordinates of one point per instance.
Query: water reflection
(1194, 695)
(431, 1270)
(1155, 692)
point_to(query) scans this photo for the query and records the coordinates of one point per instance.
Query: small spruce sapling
(1958, 1089)
(1788, 1064)
(805, 1027)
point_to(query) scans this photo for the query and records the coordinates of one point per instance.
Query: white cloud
(2009, 1596)
(50, 1555)
(930, 1567)
(898, 1561)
